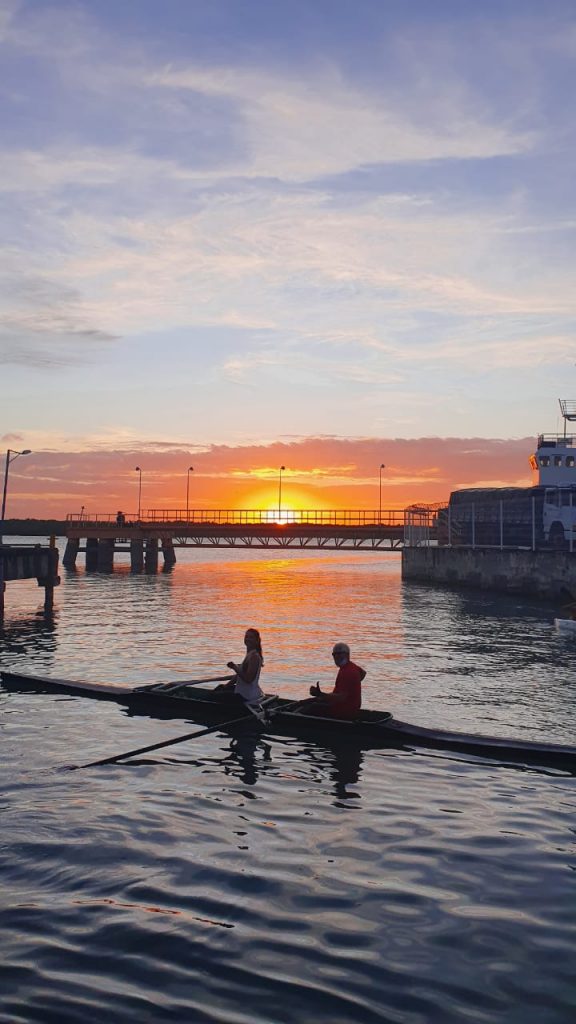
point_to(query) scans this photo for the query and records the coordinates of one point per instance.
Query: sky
(324, 234)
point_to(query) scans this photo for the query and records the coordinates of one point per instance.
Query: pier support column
(106, 555)
(168, 552)
(71, 553)
(51, 578)
(151, 557)
(91, 554)
(136, 555)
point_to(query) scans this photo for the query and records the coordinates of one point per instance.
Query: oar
(182, 739)
(151, 687)
(164, 743)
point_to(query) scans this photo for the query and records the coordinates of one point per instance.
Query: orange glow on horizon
(53, 484)
(293, 500)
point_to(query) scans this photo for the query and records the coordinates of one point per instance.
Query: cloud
(41, 324)
(8, 12)
(321, 472)
(379, 226)
(298, 130)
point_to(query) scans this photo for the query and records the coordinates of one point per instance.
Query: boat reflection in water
(244, 755)
(340, 763)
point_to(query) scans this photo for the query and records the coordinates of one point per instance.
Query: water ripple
(237, 882)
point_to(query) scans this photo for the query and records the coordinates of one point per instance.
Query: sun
(280, 516)
(297, 505)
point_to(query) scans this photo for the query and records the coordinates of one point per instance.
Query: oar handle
(166, 687)
(194, 682)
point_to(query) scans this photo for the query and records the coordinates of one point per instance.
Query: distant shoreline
(33, 527)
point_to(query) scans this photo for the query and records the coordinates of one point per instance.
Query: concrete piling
(168, 552)
(137, 555)
(106, 554)
(71, 553)
(151, 556)
(91, 554)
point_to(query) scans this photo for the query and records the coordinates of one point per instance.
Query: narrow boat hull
(566, 626)
(369, 728)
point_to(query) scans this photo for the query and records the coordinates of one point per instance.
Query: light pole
(382, 466)
(190, 470)
(138, 470)
(10, 456)
(282, 468)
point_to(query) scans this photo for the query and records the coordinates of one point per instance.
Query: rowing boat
(368, 728)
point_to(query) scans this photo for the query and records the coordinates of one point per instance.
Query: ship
(536, 517)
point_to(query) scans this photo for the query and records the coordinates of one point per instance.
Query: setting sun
(280, 516)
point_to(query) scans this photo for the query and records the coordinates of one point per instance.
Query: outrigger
(278, 715)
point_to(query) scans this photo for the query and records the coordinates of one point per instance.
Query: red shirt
(348, 687)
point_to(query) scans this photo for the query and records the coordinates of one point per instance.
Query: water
(283, 881)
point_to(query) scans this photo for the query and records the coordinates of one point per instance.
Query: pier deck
(103, 536)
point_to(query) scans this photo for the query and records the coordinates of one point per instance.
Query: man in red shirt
(345, 700)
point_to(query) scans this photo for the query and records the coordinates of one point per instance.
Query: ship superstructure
(543, 515)
(555, 457)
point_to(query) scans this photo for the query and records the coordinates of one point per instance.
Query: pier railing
(244, 517)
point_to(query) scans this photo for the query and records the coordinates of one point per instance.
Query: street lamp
(10, 456)
(190, 470)
(382, 466)
(138, 470)
(282, 469)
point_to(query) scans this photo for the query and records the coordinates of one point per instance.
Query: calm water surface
(279, 881)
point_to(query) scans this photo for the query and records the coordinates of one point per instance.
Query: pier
(160, 532)
(30, 561)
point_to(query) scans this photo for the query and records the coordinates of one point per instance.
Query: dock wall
(25, 562)
(544, 574)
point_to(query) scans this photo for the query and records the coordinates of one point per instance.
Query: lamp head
(138, 470)
(282, 468)
(27, 451)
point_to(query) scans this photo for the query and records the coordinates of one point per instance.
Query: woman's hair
(256, 634)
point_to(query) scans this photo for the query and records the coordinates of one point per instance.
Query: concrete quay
(550, 575)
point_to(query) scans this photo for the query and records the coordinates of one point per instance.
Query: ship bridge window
(570, 460)
(566, 497)
(557, 460)
(544, 460)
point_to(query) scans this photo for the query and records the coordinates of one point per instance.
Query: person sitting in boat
(345, 700)
(245, 682)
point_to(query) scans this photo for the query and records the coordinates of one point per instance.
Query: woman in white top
(245, 682)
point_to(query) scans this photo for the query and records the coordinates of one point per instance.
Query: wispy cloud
(298, 131)
(41, 325)
(376, 214)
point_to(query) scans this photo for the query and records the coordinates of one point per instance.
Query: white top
(250, 691)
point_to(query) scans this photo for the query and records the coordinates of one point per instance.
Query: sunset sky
(325, 234)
